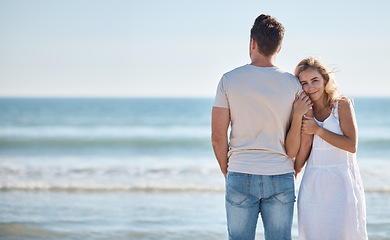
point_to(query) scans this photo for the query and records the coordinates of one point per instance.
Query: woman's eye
(303, 83)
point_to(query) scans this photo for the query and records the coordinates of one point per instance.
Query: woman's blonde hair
(331, 88)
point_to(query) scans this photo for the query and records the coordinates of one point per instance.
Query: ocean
(140, 169)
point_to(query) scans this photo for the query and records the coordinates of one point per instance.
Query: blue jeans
(248, 195)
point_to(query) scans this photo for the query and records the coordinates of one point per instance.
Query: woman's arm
(349, 139)
(293, 138)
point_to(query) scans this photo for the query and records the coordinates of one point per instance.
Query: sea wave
(158, 137)
(106, 142)
(384, 189)
(156, 187)
(90, 172)
(375, 142)
(178, 188)
(175, 140)
(81, 132)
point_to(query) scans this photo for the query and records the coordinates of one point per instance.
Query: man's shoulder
(289, 76)
(285, 73)
(248, 70)
(237, 70)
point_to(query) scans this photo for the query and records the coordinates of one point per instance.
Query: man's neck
(261, 61)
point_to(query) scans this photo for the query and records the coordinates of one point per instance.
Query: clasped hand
(309, 125)
(301, 105)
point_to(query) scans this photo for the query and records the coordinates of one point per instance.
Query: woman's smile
(313, 93)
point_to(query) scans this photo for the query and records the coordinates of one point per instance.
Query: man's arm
(304, 148)
(220, 121)
(301, 106)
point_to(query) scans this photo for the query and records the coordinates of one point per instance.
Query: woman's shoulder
(344, 105)
(344, 102)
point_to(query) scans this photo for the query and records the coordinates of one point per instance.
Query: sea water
(140, 169)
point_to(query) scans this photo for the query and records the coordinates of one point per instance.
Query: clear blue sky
(180, 48)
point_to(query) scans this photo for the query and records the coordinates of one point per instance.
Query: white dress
(331, 203)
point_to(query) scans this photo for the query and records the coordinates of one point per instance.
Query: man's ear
(280, 48)
(253, 44)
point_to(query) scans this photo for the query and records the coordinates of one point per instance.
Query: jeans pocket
(237, 188)
(285, 197)
(284, 189)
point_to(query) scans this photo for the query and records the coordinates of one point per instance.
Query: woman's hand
(309, 125)
(301, 105)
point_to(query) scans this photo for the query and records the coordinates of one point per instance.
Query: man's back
(260, 103)
(257, 101)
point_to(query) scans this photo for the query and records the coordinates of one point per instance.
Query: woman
(331, 203)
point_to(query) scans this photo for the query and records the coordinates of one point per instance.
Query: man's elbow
(290, 153)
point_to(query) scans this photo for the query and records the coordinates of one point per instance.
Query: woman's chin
(314, 97)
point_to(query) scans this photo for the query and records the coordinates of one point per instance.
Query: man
(256, 100)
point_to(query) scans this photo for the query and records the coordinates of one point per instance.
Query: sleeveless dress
(331, 202)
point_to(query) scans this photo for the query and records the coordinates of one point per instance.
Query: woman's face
(312, 83)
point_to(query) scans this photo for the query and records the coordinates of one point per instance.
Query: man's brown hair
(268, 33)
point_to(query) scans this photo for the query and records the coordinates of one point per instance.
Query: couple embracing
(280, 122)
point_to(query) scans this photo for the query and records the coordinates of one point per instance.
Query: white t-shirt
(260, 101)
